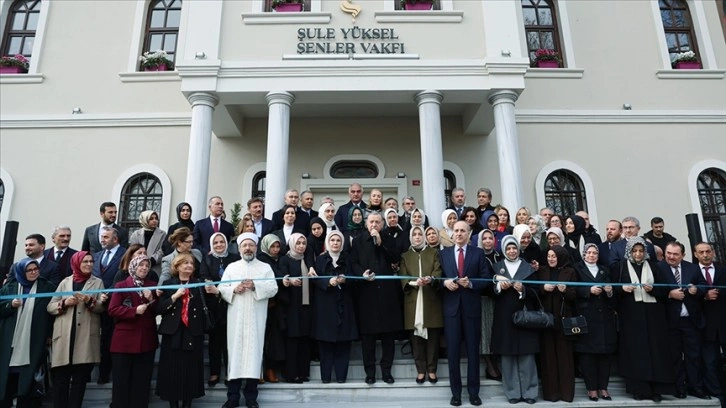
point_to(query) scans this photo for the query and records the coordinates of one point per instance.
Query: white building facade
(411, 102)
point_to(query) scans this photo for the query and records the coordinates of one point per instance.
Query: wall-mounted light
(401, 175)
(627, 106)
(200, 55)
(76, 111)
(305, 175)
(506, 53)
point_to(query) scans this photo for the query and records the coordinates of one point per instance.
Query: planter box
(163, 67)
(418, 6)
(13, 70)
(288, 7)
(688, 65)
(548, 64)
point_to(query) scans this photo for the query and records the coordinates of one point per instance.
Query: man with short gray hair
(61, 252)
(458, 201)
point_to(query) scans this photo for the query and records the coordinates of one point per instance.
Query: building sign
(354, 40)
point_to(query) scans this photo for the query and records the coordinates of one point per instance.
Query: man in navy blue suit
(631, 228)
(613, 230)
(466, 272)
(105, 266)
(34, 248)
(355, 192)
(92, 235)
(263, 226)
(685, 319)
(204, 228)
(61, 252)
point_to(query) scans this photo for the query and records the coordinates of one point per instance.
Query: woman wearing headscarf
(75, 348)
(530, 251)
(644, 355)
(274, 349)
(296, 299)
(433, 239)
(517, 346)
(576, 235)
(182, 241)
(448, 219)
(418, 218)
(184, 218)
(356, 226)
(537, 229)
(557, 360)
(595, 348)
(134, 339)
(492, 223)
(327, 213)
(316, 239)
(181, 363)
(151, 237)
(334, 311)
(394, 230)
(555, 237)
(487, 242)
(25, 326)
(422, 310)
(212, 269)
(132, 252)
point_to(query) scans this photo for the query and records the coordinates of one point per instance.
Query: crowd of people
(271, 295)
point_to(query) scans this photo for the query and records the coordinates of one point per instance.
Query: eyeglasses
(32, 270)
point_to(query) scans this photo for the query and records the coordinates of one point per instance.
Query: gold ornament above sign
(347, 6)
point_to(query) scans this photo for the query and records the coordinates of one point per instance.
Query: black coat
(713, 310)
(380, 301)
(298, 316)
(334, 309)
(599, 311)
(508, 339)
(171, 311)
(212, 269)
(274, 349)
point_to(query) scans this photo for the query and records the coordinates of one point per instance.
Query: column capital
(429, 96)
(503, 96)
(203, 98)
(279, 97)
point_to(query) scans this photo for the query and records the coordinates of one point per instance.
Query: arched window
(540, 27)
(449, 184)
(20, 28)
(711, 192)
(565, 193)
(678, 27)
(162, 27)
(2, 195)
(258, 184)
(355, 169)
(141, 192)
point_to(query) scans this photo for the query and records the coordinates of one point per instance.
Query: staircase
(403, 393)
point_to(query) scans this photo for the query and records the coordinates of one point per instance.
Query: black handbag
(208, 321)
(572, 325)
(533, 319)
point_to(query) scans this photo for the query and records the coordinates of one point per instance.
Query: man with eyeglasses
(355, 193)
(631, 228)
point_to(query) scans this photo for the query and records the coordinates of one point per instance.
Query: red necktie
(708, 275)
(216, 225)
(461, 262)
(185, 308)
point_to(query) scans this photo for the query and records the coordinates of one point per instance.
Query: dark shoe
(605, 396)
(530, 400)
(455, 401)
(326, 381)
(475, 400)
(433, 379)
(514, 400)
(657, 398)
(186, 404)
(271, 376)
(637, 397)
(680, 394)
(699, 394)
(212, 382)
(370, 380)
(420, 380)
(253, 404)
(296, 380)
(340, 381)
(493, 377)
(388, 379)
(230, 404)
(102, 380)
(306, 379)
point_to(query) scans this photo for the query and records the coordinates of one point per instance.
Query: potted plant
(155, 61)
(546, 58)
(686, 60)
(417, 4)
(286, 6)
(17, 64)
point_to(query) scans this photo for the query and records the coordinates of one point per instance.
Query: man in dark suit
(458, 201)
(34, 248)
(61, 252)
(714, 337)
(466, 272)
(355, 192)
(105, 266)
(404, 220)
(263, 226)
(613, 231)
(302, 219)
(685, 319)
(92, 236)
(204, 228)
(631, 228)
(306, 206)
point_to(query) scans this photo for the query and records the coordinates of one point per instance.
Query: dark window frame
(449, 186)
(2, 195)
(671, 27)
(541, 29)
(149, 195)
(259, 178)
(355, 169)
(565, 192)
(164, 31)
(711, 187)
(25, 33)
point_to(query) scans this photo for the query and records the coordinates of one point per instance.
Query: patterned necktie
(185, 308)
(709, 280)
(461, 262)
(677, 273)
(216, 225)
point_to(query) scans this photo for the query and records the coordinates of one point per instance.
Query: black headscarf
(317, 245)
(185, 223)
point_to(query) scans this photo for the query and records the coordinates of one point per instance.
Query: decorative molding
(303, 17)
(5, 211)
(429, 16)
(458, 173)
(693, 187)
(580, 172)
(566, 36)
(557, 73)
(21, 78)
(150, 76)
(137, 39)
(91, 120)
(354, 157)
(690, 73)
(248, 177)
(165, 188)
(618, 116)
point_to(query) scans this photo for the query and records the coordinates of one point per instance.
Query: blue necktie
(106, 258)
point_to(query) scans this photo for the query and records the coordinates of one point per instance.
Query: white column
(432, 157)
(200, 146)
(510, 175)
(278, 143)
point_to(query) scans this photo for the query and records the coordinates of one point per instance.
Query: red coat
(132, 333)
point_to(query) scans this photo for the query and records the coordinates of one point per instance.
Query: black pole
(694, 232)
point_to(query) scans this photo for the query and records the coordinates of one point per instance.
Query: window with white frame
(20, 28)
(141, 192)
